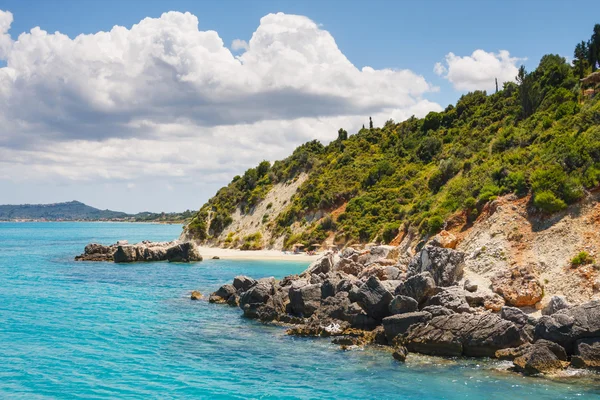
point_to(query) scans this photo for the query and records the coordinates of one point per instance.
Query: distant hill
(78, 211)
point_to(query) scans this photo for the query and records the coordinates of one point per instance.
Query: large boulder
(183, 252)
(126, 254)
(445, 265)
(381, 272)
(322, 265)
(452, 298)
(540, 358)
(258, 294)
(305, 300)
(519, 287)
(587, 353)
(340, 308)
(403, 305)
(374, 298)
(555, 304)
(97, 252)
(567, 326)
(398, 324)
(349, 266)
(475, 335)
(375, 254)
(243, 283)
(522, 321)
(222, 294)
(419, 287)
(444, 239)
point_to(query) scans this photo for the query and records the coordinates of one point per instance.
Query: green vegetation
(535, 136)
(583, 258)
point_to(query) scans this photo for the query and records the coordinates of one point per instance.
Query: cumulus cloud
(165, 99)
(239, 44)
(479, 70)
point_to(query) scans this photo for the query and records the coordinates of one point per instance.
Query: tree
(594, 48)
(580, 58)
(370, 123)
(342, 135)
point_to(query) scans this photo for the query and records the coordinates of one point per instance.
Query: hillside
(538, 137)
(77, 211)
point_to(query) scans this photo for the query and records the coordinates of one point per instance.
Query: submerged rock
(196, 295)
(587, 353)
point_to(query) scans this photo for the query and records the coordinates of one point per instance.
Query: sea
(85, 330)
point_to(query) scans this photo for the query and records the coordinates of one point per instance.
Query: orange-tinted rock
(519, 287)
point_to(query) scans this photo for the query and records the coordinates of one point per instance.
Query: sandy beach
(210, 252)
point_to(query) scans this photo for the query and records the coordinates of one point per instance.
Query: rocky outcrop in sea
(372, 297)
(123, 252)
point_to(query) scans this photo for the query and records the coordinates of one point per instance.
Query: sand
(234, 254)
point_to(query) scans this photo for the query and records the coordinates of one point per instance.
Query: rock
(97, 252)
(474, 335)
(391, 285)
(233, 300)
(196, 295)
(323, 264)
(242, 283)
(542, 357)
(126, 254)
(328, 289)
(402, 305)
(470, 287)
(400, 323)
(258, 294)
(493, 302)
(587, 353)
(305, 300)
(444, 239)
(374, 298)
(349, 266)
(339, 308)
(522, 321)
(183, 252)
(436, 311)
(400, 353)
(445, 265)
(122, 242)
(382, 272)
(513, 352)
(451, 298)
(222, 294)
(567, 326)
(216, 258)
(555, 304)
(519, 287)
(349, 252)
(375, 254)
(419, 287)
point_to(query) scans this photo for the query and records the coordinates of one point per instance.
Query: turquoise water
(99, 330)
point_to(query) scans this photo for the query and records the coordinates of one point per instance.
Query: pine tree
(370, 123)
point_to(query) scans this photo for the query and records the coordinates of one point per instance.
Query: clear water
(100, 330)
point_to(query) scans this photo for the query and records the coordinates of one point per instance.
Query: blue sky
(398, 35)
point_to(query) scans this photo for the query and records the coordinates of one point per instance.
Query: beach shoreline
(235, 254)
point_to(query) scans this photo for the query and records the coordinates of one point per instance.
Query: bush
(390, 231)
(435, 224)
(548, 202)
(515, 182)
(582, 258)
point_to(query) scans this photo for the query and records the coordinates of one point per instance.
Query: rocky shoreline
(386, 296)
(146, 251)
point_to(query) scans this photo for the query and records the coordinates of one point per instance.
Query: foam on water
(100, 330)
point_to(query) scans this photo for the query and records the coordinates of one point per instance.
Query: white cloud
(239, 44)
(165, 100)
(479, 70)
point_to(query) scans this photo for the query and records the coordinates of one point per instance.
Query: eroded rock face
(540, 358)
(243, 283)
(321, 266)
(445, 265)
(519, 287)
(587, 353)
(475, 335)
(444, 239)
(452, 298)
(222, 294)
(97, 252)
(305, 300)
(381, 272)
(182, 252)
(522, 321)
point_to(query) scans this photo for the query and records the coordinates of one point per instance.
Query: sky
(154, 105)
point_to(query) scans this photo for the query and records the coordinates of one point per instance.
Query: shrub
(435, 224)
(515, 182)
(548, 202)
(582, 258)
(390, 231)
